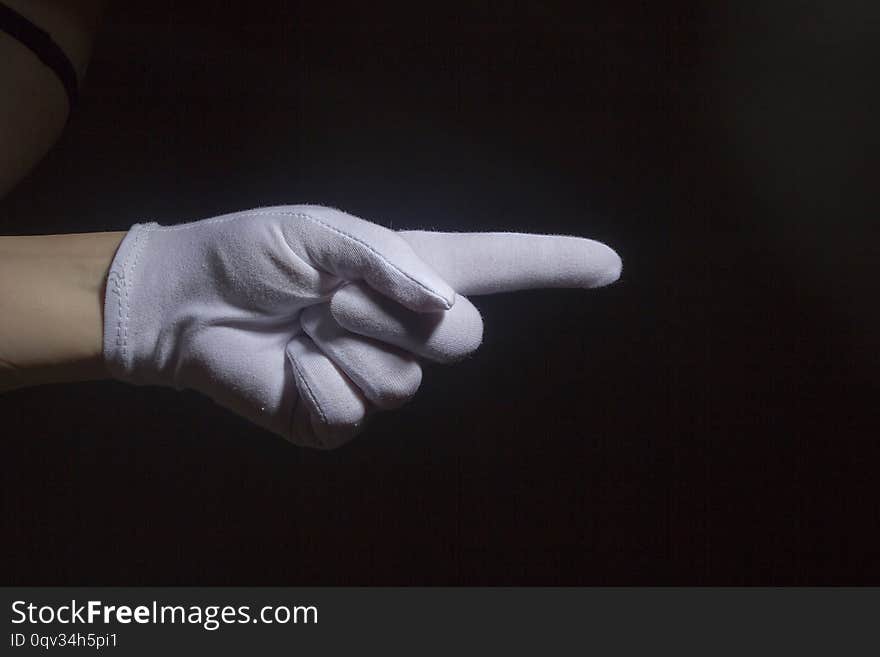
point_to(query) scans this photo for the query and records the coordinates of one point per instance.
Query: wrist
(52, 290)
(120, 354)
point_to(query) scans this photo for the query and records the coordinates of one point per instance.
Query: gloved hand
(368, 336)
(236, 307)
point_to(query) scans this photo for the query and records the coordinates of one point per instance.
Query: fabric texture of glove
(215, 306)
(474, 264)
(303, 319)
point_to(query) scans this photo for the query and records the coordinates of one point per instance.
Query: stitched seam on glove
(301, 215)
(128, 281)
(308, 388)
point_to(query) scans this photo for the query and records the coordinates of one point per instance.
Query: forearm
(51, 300)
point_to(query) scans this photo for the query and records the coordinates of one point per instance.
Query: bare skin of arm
(51, 287)
(51, 293)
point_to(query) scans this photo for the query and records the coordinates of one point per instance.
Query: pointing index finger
(487, 263)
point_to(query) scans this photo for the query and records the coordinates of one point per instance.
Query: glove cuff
(118, 339)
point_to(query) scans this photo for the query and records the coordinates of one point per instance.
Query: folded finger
(443, 336)
(387, 376)
(335, 407)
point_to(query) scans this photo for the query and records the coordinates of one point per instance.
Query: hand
(364, 338)
(218, 306)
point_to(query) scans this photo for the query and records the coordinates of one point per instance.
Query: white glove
(359, 321)
(235, 307)
(214, 306)
(473, 263)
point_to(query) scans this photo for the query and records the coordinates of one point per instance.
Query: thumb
(486, 263)
(353, 249)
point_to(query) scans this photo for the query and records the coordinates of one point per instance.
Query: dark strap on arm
(41, 44)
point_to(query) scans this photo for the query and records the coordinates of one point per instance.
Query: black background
(711, 418)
